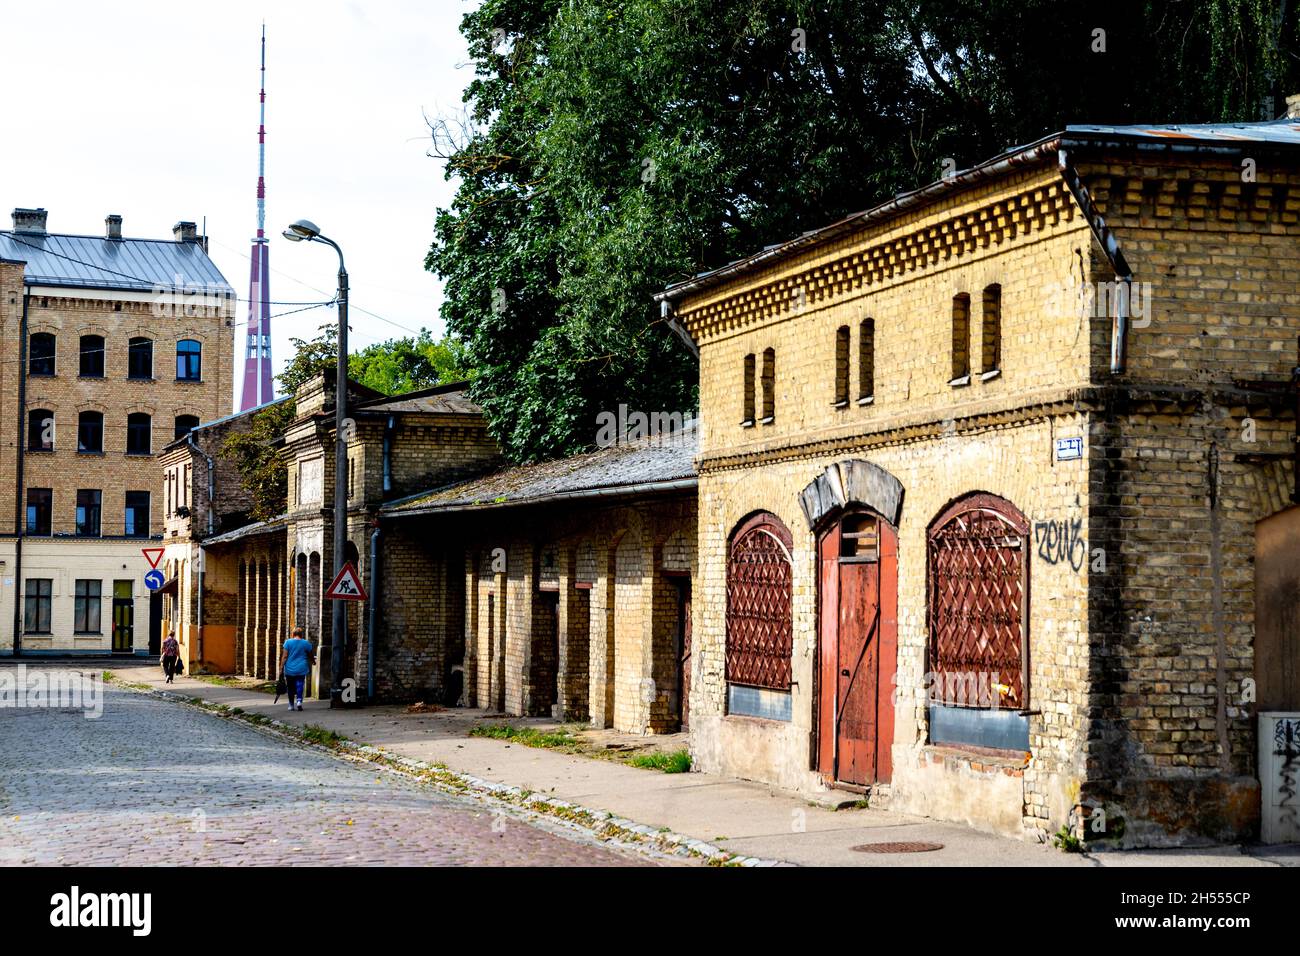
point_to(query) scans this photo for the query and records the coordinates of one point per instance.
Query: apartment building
(112, 347)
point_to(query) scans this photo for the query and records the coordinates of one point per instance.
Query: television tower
(257, 388)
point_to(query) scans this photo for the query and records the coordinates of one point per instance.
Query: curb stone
(665, 841)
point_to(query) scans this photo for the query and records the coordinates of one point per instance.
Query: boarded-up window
(842, 366)
(747, 415)
(769, 386)
(960, 336)
(867, 359)
(978, 581)
(991, 358)
(760, 632)
(310, 481)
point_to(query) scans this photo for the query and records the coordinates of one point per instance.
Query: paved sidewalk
(746, 818)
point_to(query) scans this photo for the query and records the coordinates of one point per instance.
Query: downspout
(373, 621)
(1119, 265)
(20, 526)
(203, 551)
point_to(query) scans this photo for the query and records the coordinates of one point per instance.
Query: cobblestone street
(153, 782)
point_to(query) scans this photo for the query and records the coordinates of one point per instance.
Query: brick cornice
(1032, 210)
(1129, 400)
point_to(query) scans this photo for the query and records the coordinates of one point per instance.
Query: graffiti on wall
(1061, 542)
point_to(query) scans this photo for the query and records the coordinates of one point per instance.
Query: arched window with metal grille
(760, 632)
(979, 600)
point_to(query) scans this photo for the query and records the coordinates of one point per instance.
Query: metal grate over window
(978, 591)
(759, 622)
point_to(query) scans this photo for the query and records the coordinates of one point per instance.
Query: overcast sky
(149, 109)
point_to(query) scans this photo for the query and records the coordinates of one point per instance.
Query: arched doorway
(857, 647)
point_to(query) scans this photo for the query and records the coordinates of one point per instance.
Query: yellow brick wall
(1141, 640)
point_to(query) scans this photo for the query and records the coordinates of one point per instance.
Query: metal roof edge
(604, 491)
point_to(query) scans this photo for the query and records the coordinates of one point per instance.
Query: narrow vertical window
(36, 605)
(136, 523)
(139, 355)
(86, 606)
(88, 502)
(40, 510)
(960, 339)
(991, 357)
(40, 354)
(40, 430)
(92, 356)
(769, 386)
(90, 433)
(866, 361)
(842, 367)
(189, 361)
(748, 418)
(139, 434)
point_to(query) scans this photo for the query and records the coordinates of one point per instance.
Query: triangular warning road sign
(152, 555)
(346, 585)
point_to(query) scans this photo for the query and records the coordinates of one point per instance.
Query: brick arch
(760, 598)
(90, 329)
(853, 481)
(1273, 483)
(51, 325)
(584, 563)
(977, 584)
(678, 551)
(89, 405)
(146, 408)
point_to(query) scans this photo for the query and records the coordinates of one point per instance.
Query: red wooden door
(858, 560)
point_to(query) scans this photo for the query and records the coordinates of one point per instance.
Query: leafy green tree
(409, 364)
(391, 367)
(263, 474)
(609, 148)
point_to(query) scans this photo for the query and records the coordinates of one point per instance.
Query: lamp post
(306, 231)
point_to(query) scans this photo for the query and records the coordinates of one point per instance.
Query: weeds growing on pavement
(676, 761)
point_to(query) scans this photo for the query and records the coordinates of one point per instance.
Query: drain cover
(899, 847)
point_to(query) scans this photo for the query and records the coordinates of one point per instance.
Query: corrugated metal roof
(623, 469)
(93, 262)
(450, 399)
(1282, 132)
(257, 527)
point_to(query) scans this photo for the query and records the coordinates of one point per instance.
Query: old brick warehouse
(988, 515)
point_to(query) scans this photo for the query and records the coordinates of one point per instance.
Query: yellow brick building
(979, 474)
(112, 347)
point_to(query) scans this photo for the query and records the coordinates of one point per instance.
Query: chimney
(113, 226)
(185, 232)
(1293, 106)
(30, 220)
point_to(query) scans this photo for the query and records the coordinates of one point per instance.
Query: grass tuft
(528, 736)
(676, 761)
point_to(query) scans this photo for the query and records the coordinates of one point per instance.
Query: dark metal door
(859, 649)
(123, 616)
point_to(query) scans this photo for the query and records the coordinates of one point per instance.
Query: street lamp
(306, 231)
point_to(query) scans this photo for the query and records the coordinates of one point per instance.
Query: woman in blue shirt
(297, 657)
